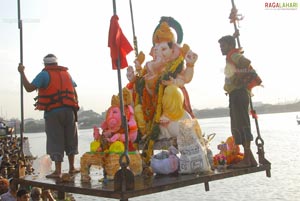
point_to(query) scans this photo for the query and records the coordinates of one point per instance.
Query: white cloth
(7, 197)
(50, 60)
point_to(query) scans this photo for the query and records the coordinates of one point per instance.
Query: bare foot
(244, 164)
(74, 171)
(53, 175)
(164, 121)
(240, 165)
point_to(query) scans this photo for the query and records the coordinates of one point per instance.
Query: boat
(298, 120)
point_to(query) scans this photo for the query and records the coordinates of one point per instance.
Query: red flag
(118, 43)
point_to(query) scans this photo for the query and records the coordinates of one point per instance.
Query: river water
(281, 136)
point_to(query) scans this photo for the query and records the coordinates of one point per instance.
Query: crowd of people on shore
(11, 191)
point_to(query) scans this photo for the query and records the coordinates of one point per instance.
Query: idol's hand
(191, 58)
(168, 82)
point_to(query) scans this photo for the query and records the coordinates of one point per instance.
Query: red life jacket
(246, 77)
(60, 91)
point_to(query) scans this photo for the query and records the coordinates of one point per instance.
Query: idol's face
(163, 51)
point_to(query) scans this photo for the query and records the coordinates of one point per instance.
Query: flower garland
(159, 101)
(147, 105)
(172, 68)
(220, 159)
(152, 105)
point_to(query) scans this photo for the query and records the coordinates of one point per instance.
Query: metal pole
(21, 84)
(124, 178)
(136, 51)
(114, 7)
(235, 26)
(124, 121)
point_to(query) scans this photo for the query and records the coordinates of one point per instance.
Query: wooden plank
(142, 185)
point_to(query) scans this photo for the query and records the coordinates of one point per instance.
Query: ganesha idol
(112, 141)
(112, 126)
(160, 97)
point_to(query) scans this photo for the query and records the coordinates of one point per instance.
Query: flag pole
(21, 80)
(124, 178)
(124, 121)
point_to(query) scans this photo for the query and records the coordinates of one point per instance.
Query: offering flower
(221, 159)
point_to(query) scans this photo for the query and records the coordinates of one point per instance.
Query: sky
(76, 31)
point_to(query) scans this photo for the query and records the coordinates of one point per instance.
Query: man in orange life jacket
(57, 97)
(239, 99)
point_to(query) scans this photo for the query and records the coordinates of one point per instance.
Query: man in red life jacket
(57, 97)
(239, 98)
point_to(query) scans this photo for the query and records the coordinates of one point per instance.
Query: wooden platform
(142, 185)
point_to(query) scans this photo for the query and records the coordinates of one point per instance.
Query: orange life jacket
(246, 77)
(60, 91)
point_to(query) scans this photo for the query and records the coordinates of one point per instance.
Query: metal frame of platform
(142, 185)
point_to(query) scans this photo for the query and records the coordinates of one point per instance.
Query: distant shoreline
(88, 118)
(260, 109)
